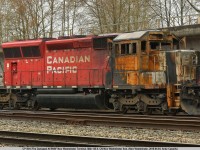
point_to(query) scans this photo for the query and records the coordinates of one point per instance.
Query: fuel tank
(56, 91)
(76, 101)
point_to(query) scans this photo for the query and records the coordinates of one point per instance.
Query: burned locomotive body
(149, 75)
(138, 71)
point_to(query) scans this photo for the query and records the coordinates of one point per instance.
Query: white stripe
(28, 87)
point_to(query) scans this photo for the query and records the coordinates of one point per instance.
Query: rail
(36, 139)
(136, 121)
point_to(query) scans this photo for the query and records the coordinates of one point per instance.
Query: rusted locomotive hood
(130, 36)
(133, 35)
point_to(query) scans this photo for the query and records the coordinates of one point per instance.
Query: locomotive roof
(22, 43)
(110, 34)
(68, 43)
(132, 36)
(61, 41)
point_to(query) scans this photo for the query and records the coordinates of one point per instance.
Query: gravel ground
(99, 131)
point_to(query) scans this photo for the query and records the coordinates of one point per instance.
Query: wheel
(124, 110)
(1, 106)
(36, 106)
(148, 111)
(16, 106)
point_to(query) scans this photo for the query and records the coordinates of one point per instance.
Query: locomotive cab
(23, 71)
(141, 70)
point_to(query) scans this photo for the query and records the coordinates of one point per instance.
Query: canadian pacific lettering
(67, 59)
(65, 63)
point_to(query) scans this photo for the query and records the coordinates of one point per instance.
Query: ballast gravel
(101, 131)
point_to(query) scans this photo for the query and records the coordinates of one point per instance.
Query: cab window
(128, 49)
(100, 43)
(32, 51)
(159, 45)
(134, 48)
(124, 48)
(143, 46)
(154, 45)
(12, 52)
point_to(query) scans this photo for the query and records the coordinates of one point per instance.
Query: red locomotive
(47, 70)
(136, 71)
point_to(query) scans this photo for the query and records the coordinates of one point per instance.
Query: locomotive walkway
(137, 121)
(35, 139)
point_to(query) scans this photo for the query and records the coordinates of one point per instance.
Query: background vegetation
(25, 19)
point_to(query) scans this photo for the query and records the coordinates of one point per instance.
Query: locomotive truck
(142, 71)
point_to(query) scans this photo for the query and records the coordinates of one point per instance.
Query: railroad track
(138, 121)
(36, 139)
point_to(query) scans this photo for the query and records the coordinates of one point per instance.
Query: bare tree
(193, 6)
(118, 15)
(51, 9)
(20, 19)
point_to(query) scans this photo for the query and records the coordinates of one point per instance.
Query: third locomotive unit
(142, 71)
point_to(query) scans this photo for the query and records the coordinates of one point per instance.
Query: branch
(195, 8)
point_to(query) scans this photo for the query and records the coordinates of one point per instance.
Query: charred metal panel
(153, 78)
(186, 66)
(157, 61)
(128, 62)
(171, 68)
(126, 67)
(181, 66)
(147, 67)
(198, 68)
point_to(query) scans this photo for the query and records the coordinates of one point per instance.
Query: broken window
(128, 49)
(160, 45)
(124, 48)
(134, 48)
(165, 46)
(178, 44)
(154, 45)
(143, 46)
